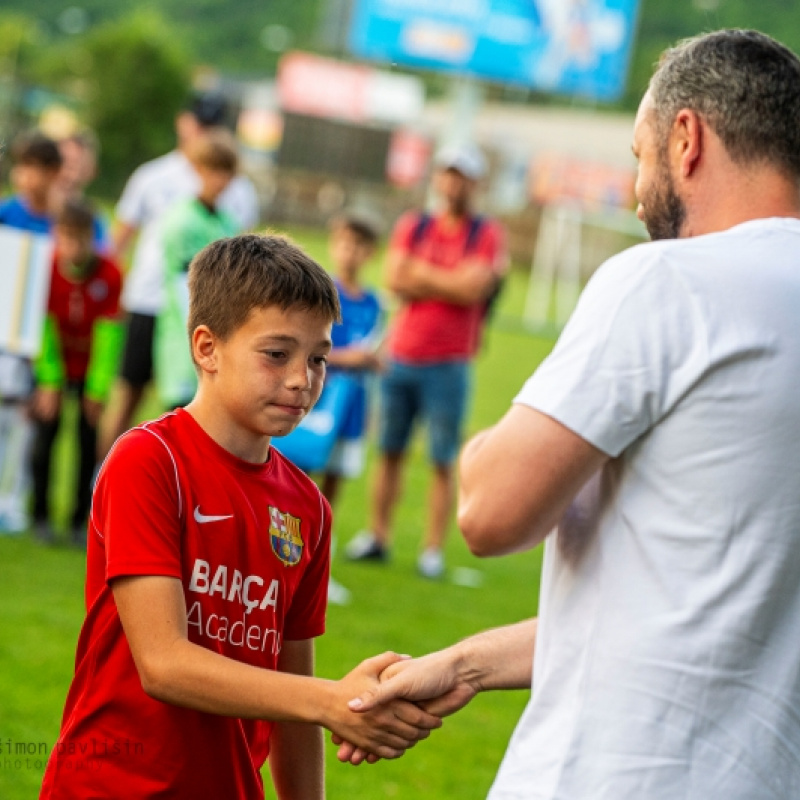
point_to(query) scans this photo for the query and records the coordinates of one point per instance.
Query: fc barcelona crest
(284, 535)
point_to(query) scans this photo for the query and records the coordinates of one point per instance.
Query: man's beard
(664, 211)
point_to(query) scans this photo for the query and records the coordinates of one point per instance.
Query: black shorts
(137, 355)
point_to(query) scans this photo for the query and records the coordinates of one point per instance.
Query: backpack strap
(420, 228)
(475, 228)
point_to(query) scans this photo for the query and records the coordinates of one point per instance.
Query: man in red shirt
(207, 566)
(81, 346)
(444, 268)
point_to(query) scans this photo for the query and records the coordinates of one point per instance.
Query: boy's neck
(37, 205)
(76, 272)
(209, 202)
(350, 283)
(251, 448)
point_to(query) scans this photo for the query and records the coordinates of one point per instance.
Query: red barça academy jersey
(251, 545)
(77, 305)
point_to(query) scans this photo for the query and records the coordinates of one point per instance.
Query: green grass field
(41, 610)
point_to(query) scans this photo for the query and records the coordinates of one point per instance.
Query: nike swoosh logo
(202, 518)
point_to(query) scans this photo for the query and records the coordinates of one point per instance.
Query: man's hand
(383, 728)
(46, 404)
(432, 682)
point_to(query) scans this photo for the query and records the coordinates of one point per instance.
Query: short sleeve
(137, 508)
(633, 347)
(306, 617)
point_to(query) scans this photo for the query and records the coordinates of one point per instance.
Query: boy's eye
(319, 359)
(275, 354)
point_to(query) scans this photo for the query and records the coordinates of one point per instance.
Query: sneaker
(431, 564)
(338, 595)
(365, 547)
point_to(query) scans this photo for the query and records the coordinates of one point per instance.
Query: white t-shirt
(667, 662)
(151, 190)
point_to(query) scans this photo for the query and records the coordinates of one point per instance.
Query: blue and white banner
(576, 47)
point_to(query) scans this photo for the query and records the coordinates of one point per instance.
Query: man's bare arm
(123, 235)
(173, 669)
(518, 478)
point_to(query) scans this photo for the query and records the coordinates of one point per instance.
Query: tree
(136, 78)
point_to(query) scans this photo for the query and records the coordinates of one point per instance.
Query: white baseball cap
(464, 157)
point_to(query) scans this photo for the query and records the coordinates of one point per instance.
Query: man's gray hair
(747, 88)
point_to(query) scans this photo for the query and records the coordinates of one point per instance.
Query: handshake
(394, 701)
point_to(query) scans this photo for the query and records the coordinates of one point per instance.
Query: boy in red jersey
(81, 346)
(208, 561)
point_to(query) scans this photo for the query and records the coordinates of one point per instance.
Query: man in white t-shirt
(661, 439)
(152, 189)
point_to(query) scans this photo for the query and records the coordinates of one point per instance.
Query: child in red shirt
(81, 346)
(207, 567)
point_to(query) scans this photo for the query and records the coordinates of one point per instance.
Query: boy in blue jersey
(355, 343)
(37, 162)
(355, 354)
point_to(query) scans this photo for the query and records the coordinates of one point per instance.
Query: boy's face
(269, 373)
(33, 181)
(73, 245)
(213, 182)
(349, 252)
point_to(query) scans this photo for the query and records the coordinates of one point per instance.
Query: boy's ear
(204, 348)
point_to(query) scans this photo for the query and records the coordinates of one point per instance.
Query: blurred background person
(150, 191)
(80, 354)
(443, 267)
(187, 228)
(356, 342)
(36, 164)
(79, 153)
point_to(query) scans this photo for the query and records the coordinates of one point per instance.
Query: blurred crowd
(116, 320)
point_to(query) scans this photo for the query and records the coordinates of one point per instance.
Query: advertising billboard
(575, 47)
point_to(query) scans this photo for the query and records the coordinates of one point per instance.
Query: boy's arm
(296, 748)
(48, 367)
(172, 669)
(108, 337)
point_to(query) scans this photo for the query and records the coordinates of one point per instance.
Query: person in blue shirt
(356, 342)
(36, 164)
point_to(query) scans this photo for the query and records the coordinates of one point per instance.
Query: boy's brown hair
(77, 215)
(362, 227)
(230, 277)
(215, 149)
(36, 149)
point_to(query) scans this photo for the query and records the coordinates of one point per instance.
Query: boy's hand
(384, 731)
(46, 404)
(432, 682)
(92, 410)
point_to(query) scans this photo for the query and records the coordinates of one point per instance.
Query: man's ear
(204, 348)
(687, 141)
